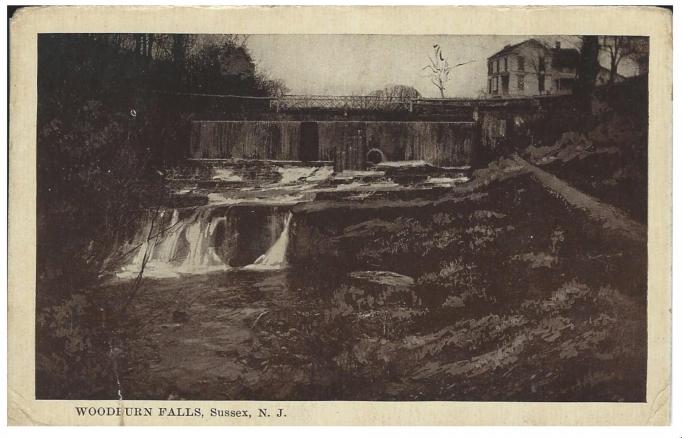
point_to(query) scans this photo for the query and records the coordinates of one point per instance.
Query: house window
(541, 63)
(520, 82)
(541, 83)
(522, 63)
(505, 64)
(497, 66)
(497, 83)
(490, 86)
(490, 67)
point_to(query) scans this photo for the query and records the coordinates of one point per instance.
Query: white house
(531, 68)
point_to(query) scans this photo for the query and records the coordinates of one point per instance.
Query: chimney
(557, 44)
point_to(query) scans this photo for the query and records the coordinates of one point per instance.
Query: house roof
(560, 57)
(511, 48)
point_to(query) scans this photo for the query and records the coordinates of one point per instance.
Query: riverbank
(481, 287)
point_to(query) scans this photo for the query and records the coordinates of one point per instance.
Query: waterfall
(168, 246)
(202, 254)
(209, 239)
(275, 257)
(158, 246)
(194, 234)
(147, 246)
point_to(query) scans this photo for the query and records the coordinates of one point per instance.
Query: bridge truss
(367, 103)
(294, 103)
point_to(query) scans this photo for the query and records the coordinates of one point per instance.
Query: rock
(453, 301)
(386, 278)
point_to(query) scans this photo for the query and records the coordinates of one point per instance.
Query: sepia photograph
(406, 218)
(325, 217)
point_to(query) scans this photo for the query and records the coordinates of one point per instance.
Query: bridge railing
(381, 103)
(291, 102)
(377, 103)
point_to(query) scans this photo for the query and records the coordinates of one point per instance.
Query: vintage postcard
(329, 215)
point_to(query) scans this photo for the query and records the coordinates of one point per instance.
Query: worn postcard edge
(27, 23)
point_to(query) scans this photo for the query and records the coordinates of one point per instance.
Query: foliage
(93, 177)
(103, 138)
(72, 348)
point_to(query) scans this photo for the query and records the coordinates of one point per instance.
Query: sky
(360, 64)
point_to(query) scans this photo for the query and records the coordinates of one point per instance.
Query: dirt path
(611, 218)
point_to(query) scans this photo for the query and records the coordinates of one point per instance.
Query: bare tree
(397, 92)
(619, 47)
(271, 87)
(539, 66)
(439, 69)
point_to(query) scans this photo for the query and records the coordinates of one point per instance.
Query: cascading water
(202, 254)
(155, 246)
(162, 254)
(169, 245)
(276, 256)
(210, 239)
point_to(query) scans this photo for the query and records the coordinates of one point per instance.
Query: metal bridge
(301, 103)
(366, 103)
(380, 103)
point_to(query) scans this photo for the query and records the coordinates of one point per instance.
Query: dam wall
(437, 142)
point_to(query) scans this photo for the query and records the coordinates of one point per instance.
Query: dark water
(272, 334)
